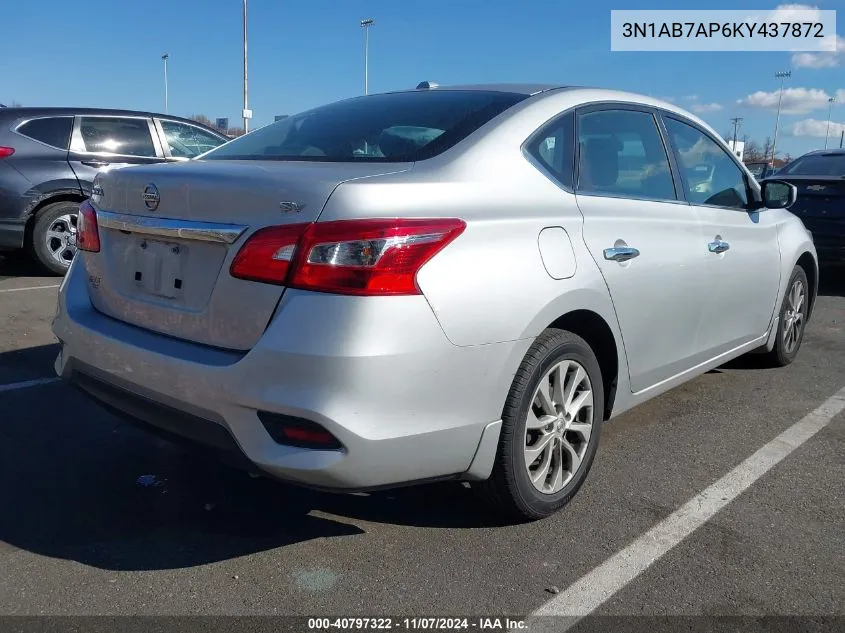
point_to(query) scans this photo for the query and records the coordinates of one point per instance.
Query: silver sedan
(440, 283)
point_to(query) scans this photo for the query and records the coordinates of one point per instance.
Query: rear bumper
(828, 238)
(12, 234)
(831, 251)
(377, 373)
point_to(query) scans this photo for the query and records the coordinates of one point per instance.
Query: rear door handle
(718, 246)
(621, 254)
(95, 163)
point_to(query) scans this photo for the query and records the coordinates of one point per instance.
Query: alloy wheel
(558, 426)
(60, 239)
(794, 316)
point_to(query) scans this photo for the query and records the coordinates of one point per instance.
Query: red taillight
(369, 257)
(300, 432)
(5, 152)
(358, 257)
(308, 436)
(267, 255)
(87, 230)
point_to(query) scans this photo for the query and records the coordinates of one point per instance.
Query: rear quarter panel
(491, 285)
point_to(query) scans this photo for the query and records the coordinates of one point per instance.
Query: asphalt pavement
(98, 518)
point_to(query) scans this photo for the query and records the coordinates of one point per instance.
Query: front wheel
(53, 242)
(792, 321)
(550, 428)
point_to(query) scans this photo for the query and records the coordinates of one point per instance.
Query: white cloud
(786, 13)
(794, 13)
(703, 108)
(814, 128)
(795, 100)
(822, 60)
(692, 97)
(840, 96)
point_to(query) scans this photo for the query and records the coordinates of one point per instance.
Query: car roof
(33, 111)
(526, 89)
(825, 151)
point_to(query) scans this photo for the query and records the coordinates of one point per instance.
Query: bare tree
(752, 152)
(767, 148)
(204, 120)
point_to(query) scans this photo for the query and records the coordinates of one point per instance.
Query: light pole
(247, 114)
(829, 108)
(736, 121)
(782, 76)
(366, 24)
(165, 57)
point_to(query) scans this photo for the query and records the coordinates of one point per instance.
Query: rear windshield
(397, 127)
(816, 165)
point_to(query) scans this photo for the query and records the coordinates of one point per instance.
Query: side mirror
(778, 194)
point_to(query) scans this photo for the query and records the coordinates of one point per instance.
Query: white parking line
(589, 592)
(28, 383)
(29, 288)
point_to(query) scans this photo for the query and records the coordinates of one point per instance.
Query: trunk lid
(818, 196)
(820, 204)
(168, 234)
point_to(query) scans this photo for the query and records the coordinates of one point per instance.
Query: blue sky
(107, 53)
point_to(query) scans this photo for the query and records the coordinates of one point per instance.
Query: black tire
(509, 487)
(783, 354)
(45, 219)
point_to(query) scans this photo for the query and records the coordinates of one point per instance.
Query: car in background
(760, 170)
(819, 177)
(49, 158)
(431, 284)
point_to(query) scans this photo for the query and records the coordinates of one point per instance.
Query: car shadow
(80, 484)
(20, 265)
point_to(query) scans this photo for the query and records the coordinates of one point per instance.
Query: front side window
(113, 135)
(554, 149)
(394, 127)
(621, 154)
(710, 174)
(188, 141)
(54, 131)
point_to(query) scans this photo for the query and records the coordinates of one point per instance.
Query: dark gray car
(49, 157)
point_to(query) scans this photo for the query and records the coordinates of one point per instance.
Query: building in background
(222, 124)
(739, 149)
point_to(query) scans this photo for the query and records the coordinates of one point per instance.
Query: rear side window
(114, 135)
(54, 131)
(394, 127)
(816, 165)
(188, 141)
(553, 147)
(621, 153)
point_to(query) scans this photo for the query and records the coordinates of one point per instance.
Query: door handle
(94, 163)
(718, 246)
(621, 254)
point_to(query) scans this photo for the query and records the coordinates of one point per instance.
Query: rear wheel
(53, 241)
(792, 321)
(550, 428)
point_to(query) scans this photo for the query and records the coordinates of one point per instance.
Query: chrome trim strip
(170, 228)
